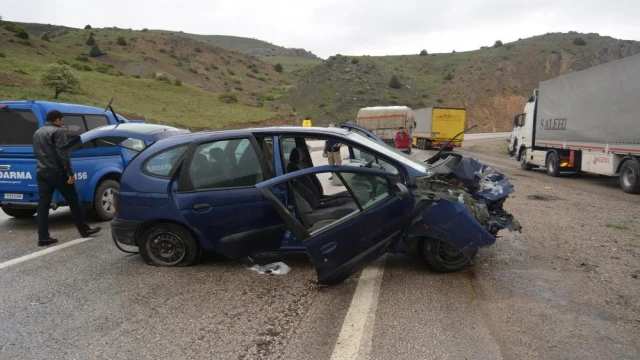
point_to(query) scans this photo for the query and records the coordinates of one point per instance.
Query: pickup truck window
(17, 127)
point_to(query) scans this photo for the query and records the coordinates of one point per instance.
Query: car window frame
(37, 123)
(185, 186)
(154, 154)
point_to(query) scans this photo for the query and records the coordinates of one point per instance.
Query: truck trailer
(384, 121)
(435, 126)
(586, 121)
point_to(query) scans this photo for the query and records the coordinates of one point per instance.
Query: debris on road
(277, 268)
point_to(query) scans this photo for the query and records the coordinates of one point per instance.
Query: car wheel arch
(149, 223)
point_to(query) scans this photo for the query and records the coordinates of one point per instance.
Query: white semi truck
(585, 121)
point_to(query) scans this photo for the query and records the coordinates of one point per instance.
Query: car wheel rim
(449, 255)
(107, 200)
(628, 177)
(166, 249)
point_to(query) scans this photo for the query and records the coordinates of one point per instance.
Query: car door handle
(202, 207)
(327, 248)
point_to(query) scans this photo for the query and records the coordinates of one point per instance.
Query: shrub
(61, 79)
(145, 30)
(231, 72)
(394, 83)
(424, 53)
(163, 51)
(355, 61)
(90, 41)
(236, 79)
(121, 41)
(228, 97)
(2, 55)
(214, 67)
(448, 77)
(360, 91)
(136, 76)
(177, 82)
(439, 101)
(102, 68)
(239, 88)
(198, 50)
(497, 44)
(579, 41)
(255, 70)
(45, 37)
(193, 70)
(82, 58)
(23, 35)
(95, 51)
(278, 67)
(87, 27)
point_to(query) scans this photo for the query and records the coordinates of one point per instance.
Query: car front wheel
(443, 257)
(167, 244)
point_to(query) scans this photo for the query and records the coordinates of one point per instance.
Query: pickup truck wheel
(103, 209)
(167, 244)
(553, 166)
(442, 257)
(630, 177)
(19, 213)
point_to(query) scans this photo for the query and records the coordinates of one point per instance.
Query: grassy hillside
(291, 58)
(493, 83)
(166, 79)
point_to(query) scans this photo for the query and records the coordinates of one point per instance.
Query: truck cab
(97, 165)
(523, 124)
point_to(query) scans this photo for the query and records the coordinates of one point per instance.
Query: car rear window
(161, 164)
(17, 127)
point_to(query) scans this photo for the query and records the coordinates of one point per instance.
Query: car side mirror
(401, 191)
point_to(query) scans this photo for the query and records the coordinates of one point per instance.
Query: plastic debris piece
(277, 268)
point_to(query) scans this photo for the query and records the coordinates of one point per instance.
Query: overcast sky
(355, 27)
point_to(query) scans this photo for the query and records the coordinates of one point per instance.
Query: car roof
(47, 106)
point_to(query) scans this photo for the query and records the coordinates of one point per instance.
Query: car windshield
(389, 151)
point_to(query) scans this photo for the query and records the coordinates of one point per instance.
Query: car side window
(225, 164)
(163, 163)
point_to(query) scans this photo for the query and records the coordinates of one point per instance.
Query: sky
(347, 27)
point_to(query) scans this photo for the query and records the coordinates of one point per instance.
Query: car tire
(443, 257)
(553, 164)
(168, 244)
(19, 213)
(630, 177)
(103, 209)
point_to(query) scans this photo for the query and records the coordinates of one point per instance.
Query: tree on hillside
(579, 41)
(121, 41)
(90, 41)
(424, 53)
(394, 83)
(60, 78)
(95, 51)
(87, 27)
(497, 44)
(278, 67)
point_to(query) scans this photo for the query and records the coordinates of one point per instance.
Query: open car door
(344, 236)
(116, 134)
(365, 131)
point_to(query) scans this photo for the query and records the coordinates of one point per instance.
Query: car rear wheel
(167, 244)
(443, 257)
(103, 208)
(19, 213)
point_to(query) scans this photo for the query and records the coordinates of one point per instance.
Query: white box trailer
(384, 121)
(585, 121)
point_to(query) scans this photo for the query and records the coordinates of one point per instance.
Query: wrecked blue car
(251, 191)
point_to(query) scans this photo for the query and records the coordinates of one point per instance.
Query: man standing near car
(54, 172)
(403, 140)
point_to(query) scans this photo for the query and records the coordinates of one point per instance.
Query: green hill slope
(140, 70)
(492, 83)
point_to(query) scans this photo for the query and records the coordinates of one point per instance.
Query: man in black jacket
(54, 172)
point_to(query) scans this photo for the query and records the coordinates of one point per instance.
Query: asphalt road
(91, 301)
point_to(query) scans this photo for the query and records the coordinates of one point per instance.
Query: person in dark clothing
(54, 172)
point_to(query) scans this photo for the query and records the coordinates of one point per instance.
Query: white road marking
(354, 340)
(36, 254)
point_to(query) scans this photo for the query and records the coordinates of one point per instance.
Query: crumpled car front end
(460, 202)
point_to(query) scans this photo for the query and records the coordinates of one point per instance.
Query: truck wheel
(167, 244)
(19, 213)
(553, 166)
(523, 161)
(630, 177)
(103, 209)
(442, 257)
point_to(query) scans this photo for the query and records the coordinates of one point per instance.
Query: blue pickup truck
(97, 165)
